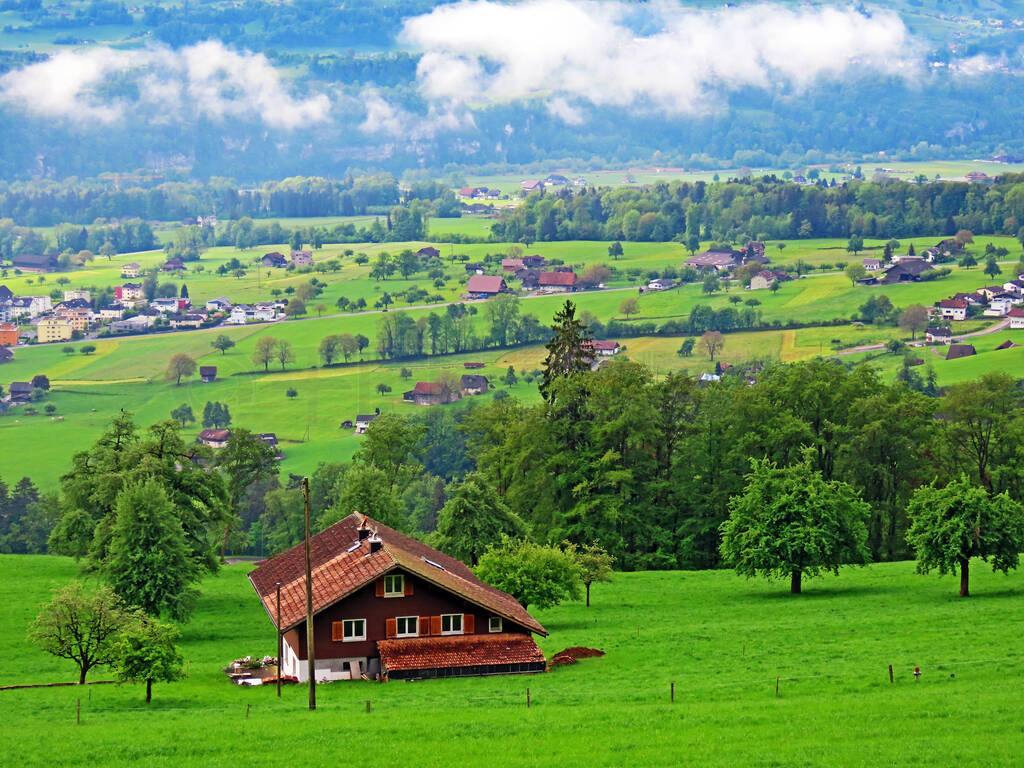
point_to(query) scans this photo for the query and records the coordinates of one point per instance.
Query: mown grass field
(722, 640)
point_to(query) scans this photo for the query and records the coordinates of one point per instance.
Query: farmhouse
(363, 421)
(274, 260)
(603, 347)
(536, 261)
(388, 606)
(302, 258)
(938, 335)
(473, 366)
(207, 373)
(953, 309)
(428, 393)
(131, 270)
(20, 391)
(214, 438)
(716, 260)
(754, 251)
(9, 335)
(762, 280)
(473, 384)
(872, 265)
(220, 304)
(1016, 316)
(561, 282)
(511, 265)
(474, 268)
(428, 252)
(173, 265)
(531, 186)
(661, 284)
(485, 286)
(906, 271)
(957, 351)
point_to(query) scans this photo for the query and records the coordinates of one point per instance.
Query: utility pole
(311, 657)
(280, 649)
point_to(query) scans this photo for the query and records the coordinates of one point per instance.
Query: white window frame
(401, 585)
(354, 638)
(491, 624)
(451, 620)
(416, 625)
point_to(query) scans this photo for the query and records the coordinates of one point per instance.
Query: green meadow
(128, 372)
(724, 642)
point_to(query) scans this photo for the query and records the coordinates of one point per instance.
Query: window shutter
(424, 626)
(390, 627)
(435, 625)
(468, 624)
(380, 587)
(407, 585)
(337, 631)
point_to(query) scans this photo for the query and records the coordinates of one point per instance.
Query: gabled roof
(1016, 312)
(602, 344)
(960, 350)
(342, 564)
(939, 331)
(427, 388)
(207, 370)
(557, 278)
(473, 381)
(953, 304)
(217, 435)
(713, 258)
(1007, 345)
(486, 284)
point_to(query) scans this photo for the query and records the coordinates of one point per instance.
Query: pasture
(723, 641)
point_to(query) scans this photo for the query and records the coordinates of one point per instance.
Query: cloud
(661, 56)
(203, 80)
(383, 117)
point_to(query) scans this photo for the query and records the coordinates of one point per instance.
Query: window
(408, 626)
(352, 630)
(451, 624)
(494, 624)
(394, 585)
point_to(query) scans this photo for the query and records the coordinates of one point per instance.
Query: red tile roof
(427, 388)
(457, 651)
(953, 304)
(486, 284)
(215, 434)
(1016, 312)
(600, 344)
(340, 568)
(557, 278)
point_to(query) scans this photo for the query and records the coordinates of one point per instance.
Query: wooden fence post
(776, 686)
(78, 713)
(246, 711)
(890, 674)
(672, 692)
(367, 706)
(527, 698)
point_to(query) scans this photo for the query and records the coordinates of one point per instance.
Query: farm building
(131, 270)
(428, 252)
(1007, 345)
(214, 438)
(473, 384)
(957, 351)
(20, 391)
(6, 355)
(716, 260)
(938, 335)
(763, 280)
(35, 262)
(485, 286)
(173, 265)
(207, 373)
(872, 265)
(363, 421)
(428, 393)
(387, 605)
(274, 259)
(471, 366)
(557, 281)
(908, 270)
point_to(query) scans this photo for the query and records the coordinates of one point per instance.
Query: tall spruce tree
(568, 351)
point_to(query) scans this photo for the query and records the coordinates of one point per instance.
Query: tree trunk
(82, 671)
(794, 581)
(149, 689)
(965, 566)
(588, 594)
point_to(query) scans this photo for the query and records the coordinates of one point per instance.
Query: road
(1000, 326)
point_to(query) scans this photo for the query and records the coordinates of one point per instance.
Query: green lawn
(722, 640)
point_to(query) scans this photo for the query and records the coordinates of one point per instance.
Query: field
(721, 640)
(127, 372)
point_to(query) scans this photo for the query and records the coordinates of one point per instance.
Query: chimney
(376, 543)
(363, 530)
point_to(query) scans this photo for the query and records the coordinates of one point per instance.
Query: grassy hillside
(722, 640)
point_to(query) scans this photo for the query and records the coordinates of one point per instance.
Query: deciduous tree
(79, 626)
(595, 565)
(914, 318)
(180, 365)
(145, 650)
(473, 519)
(951, 525)
(264, 352)
(534, 574)
(222, 343)
(791, 522)
(712, 342)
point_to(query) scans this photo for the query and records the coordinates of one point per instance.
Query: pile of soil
(574, 654)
